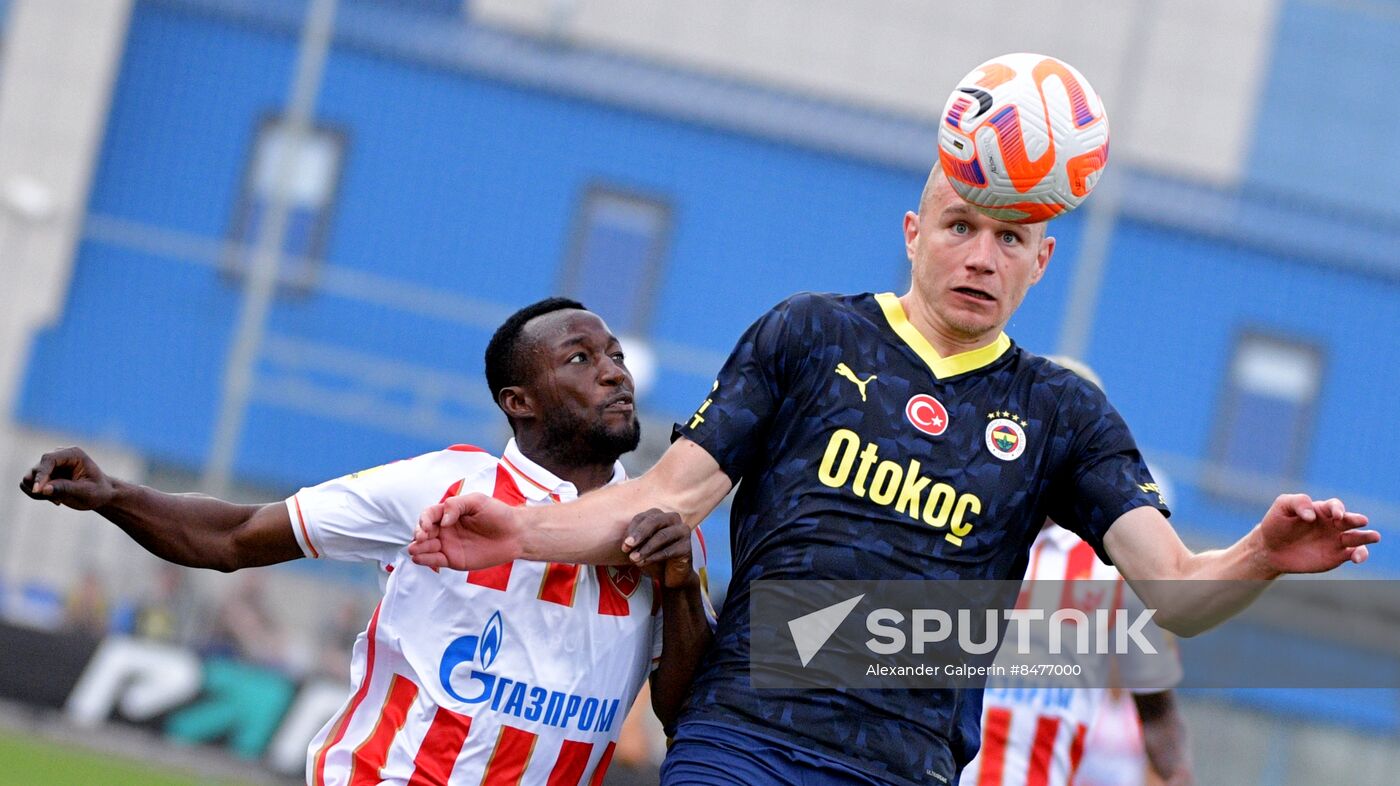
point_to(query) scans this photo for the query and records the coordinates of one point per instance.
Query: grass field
(30, 761)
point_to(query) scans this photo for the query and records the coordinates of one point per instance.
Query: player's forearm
(1164, 737)
(1189, 592)
(1200, 591)
(685, 635)
(590, 529)
(187, 529)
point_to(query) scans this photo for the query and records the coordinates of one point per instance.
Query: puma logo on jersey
(845, 371)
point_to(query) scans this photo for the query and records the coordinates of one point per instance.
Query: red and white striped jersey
(1035, 736)
(1113, 753)
(517, 674)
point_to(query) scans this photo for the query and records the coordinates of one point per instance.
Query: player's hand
(658, 542)
(467, 532)
(70, 477)
(1303, 536)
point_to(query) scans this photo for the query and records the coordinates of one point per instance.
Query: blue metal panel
(463, 182)
(1173, 307)
(184, 111)
(1326, 122)
(137, 357)
(451, 181)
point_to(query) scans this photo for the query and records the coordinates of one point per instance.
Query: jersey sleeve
(1143, 673)
(370, 515)
(1104, 475)
(731, 422)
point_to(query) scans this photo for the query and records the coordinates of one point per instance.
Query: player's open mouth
(620, 403)
(975, 293)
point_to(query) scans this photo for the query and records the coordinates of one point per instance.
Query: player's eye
(579, 357)
(961, 227)
(1010, 238)
(619, 357)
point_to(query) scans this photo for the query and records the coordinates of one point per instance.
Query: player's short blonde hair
(1077, 366)
(930, 183)
(936, 176)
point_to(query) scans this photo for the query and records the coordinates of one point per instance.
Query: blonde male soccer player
(938, 454)
(521, 673)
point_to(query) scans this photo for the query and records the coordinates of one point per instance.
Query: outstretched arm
(187, 529)
(1296, 535)
(474, 531)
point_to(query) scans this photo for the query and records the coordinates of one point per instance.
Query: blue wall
(450, 181)
(1327, 118)
(460, 181)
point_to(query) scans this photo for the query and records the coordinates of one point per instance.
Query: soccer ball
(1023, 138)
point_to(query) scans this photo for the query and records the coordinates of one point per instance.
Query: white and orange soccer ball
(1023, 138)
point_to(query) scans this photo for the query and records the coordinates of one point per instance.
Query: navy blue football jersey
(860, 453)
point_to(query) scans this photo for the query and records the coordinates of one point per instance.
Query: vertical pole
(1104, 205)
(260, 281)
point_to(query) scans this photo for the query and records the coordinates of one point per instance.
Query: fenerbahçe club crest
(1006, 439)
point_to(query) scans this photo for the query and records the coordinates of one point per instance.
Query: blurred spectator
(244, 628)
(170, 613)
(337, 640)
(86, 608)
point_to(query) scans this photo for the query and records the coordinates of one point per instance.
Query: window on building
(1266, 417)
(614, 264)
(309, 170)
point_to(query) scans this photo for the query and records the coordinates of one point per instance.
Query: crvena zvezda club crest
(625, 579)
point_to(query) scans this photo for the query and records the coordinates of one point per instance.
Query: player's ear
(516, 402)
(911, 233)
(1042, 257)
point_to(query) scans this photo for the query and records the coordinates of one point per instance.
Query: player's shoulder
(462, 449)
(808, 302)
(809, 315)
(1065, 384)
(460, 460)
(802, 319)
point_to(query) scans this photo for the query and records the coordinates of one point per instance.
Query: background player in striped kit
(942, 464)
(1036, 736)
(518, 674)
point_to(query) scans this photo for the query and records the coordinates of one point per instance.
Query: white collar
(538, 483)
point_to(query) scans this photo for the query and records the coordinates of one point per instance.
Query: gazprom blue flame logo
(491, 640)
(465, 650)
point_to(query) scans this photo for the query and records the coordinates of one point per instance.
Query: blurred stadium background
(248, 245)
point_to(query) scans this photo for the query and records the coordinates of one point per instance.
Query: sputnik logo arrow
(811, 631)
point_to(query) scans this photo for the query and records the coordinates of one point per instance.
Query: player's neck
(563, 462)
(945, 341)
(585, 477)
